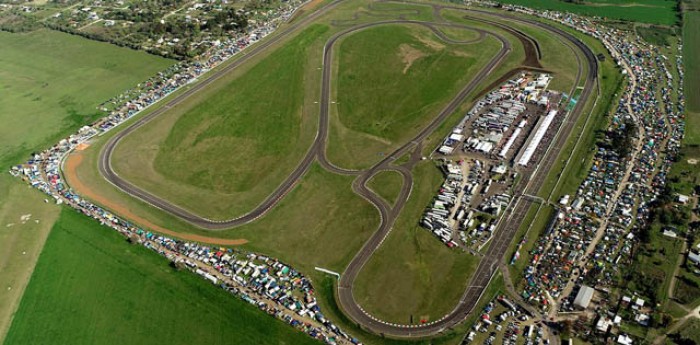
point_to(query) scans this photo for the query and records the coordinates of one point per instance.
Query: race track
(530, 184)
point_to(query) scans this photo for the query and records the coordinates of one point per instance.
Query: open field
(412, 273)
(194, 154)
(646, 11)
(53, 82)
(387, 184)
(47, 93)
(106, 291)
(691, 62)
(391, 81)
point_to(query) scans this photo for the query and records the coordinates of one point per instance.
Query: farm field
(48, 93)
(39, 104)
(691, 56)
(384, 96)
(413, 274)
(106, 291)
(661, 12)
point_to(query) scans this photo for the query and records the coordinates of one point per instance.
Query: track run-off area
(530, 183)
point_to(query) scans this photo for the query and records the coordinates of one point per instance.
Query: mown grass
(391, 80)
(459, 34)
(222, 152)
(51, 85)
(387, 184)
(413, 273)
(106, 291)
(661, 12)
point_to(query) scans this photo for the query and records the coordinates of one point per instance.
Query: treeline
(620, 140)
(120, 43)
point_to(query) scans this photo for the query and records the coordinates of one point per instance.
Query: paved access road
(512, 217)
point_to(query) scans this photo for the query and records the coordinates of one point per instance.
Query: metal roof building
(583, 298)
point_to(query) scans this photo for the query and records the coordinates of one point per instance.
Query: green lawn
(91, 287)
(387, 184)
(413, 272)
(646, 11)
(224, 150)
(392, 80)
(51, 84)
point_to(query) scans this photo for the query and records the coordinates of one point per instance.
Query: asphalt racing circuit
(530, 183)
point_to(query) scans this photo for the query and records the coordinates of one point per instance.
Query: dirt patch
(82, 146)
(692, 161)
(409, 55)
(70, 171)
(431, 44)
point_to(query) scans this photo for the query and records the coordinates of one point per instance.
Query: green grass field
(413, 273)
(691, 62)
(391, 81)
(52, 83)
(91, 287)
(200, 154)
(661, 12)
(459, 34)
(387, 184)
